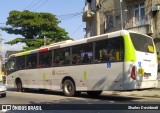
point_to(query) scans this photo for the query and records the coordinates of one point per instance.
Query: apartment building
(103, 16)
(111, 15)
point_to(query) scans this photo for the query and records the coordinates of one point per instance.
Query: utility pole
(1, 57)
(97, 16)
(121, 14)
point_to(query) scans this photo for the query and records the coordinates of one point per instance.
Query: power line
(41, 4)
(69, 16)
(29, 4)
(72, 14)
(77, 29)
(35, 4)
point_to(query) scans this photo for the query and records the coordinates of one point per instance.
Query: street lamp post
(121, 14)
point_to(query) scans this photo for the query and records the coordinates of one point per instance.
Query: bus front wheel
(94, 93)
(69, 88)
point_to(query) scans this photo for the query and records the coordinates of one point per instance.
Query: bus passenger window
(82, 54)
(11, 65)
(61, 57)
(45, 59)
(109, 50)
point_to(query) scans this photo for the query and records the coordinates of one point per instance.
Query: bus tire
(19, 86)
(69, 88)
(94, 93)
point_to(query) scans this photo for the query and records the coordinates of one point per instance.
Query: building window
(109, 22)
(89, 1)
(139, 14)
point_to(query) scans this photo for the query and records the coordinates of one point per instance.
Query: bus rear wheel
(19, 86)
(94, 93)
(69, 88)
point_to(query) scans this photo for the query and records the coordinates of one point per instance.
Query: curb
(146, 93)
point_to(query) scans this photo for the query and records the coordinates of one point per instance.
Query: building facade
(138, 15)
(103, 16)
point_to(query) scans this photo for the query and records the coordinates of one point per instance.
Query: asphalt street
(47, 98)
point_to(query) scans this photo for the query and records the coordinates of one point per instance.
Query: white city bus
(121, 60)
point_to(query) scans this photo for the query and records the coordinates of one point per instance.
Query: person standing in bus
(85, 58)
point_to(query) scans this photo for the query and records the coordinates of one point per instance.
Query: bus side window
(102, 51)
(61, 57)
(11, 65)
(82, 54)
(20, 62)
(31, 61)
(109, 50)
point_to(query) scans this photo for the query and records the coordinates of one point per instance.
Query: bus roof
(71, 43)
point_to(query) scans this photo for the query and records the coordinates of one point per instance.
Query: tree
(33, 26)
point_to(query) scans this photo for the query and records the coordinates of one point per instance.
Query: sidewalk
(142, 93)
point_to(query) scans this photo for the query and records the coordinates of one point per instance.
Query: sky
(72, 24)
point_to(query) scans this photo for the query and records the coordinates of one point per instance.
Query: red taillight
(133, 73)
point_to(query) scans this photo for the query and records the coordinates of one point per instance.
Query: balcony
(144, 26)
(88, 14)
(144, 29)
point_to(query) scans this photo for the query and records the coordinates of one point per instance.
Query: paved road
(52, 98)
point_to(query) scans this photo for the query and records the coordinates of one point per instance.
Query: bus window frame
(9, 71)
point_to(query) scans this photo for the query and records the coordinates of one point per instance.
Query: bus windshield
(142, 43)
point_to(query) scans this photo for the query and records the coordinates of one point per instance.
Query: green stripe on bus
(23, 53)
(155, 53)
(130, 54)
(26, 53)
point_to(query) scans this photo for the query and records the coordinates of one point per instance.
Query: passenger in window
(61, 61)
(112, 55)
(20, 66)
(49, 62)
(29, 65)
(40, 65)
(75, 60)
(54, 63)
(85, 58)
(67, 62)
(34, 65)
(105, 55)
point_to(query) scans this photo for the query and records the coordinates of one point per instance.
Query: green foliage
(33, 26)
